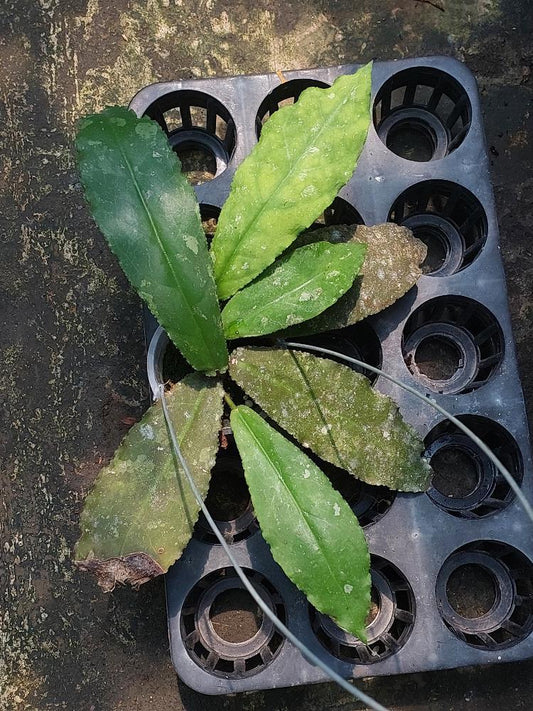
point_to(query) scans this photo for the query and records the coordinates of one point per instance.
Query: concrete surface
(72, 351)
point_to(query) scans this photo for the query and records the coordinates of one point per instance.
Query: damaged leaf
(149, 215)
(140, 514)
(391, 267)
(295, 288)
(306, 153)
(312, 532)
(334, 411)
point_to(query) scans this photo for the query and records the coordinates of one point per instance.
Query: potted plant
(263, 274)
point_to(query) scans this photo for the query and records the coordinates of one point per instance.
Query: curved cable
(308, 654)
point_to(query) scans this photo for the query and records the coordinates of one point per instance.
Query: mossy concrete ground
(72, 373)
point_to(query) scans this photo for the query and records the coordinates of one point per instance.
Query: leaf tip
(135, 569)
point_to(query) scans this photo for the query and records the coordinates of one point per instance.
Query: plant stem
(230, 402)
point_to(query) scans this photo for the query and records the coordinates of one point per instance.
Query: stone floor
(72, 373)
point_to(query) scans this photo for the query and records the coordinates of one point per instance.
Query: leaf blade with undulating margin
(140, 514)
(149, 215)
(295, 288)
(333, 410)
(312, 532)
(390, 268)
(305, 154)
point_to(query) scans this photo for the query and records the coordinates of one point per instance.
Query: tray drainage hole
(448, 218)
(455, 473)
(358, 341)
(285, 94)
(388, 625)
(422, 114)
(412, 139)
(465, 482)
(228, 499)
(200, 130)
(223, 629)
(484, 593)
(471, 591)
(437, 358)
(235, 616)
(452, 344)
(198, 163)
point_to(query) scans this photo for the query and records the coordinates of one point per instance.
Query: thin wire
(501, 468)
(310, 656)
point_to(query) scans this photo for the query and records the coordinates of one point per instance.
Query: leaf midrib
(155, 232)
(295, 501)
(280, 183)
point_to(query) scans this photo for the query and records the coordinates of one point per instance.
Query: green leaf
(391, 267)
(334, 411)
(149, 215)
(306, 153)
(312, 532)
(140, 514)
(296, 287)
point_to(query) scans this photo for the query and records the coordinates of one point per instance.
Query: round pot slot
(422, 114)
(448, 219)
(228, 499)
(465, 482)
(485, 595)
(369, 503)
(452, 345)
(200, 130)
(389, 623)
(283, 95)
(358, 341)
(223, 629)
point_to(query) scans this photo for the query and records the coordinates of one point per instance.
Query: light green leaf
(390, 268)
(149, 215)
(306, 153)
(334, 411)
(296, 287)
(140, 514)
(312, 532)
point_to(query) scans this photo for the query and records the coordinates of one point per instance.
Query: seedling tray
(452, 568)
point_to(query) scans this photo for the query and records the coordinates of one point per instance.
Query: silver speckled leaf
(335, 412)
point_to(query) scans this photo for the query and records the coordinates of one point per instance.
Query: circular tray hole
(485, 594)
(448, 219)
(228, 499)
(452, 344)
(283, 95)
(209, 215)
(223, 629)
(389, 623)
(422, 114)
(200, 130)
(358, 341)
(465, 482)
(369, 503)
(340, 212)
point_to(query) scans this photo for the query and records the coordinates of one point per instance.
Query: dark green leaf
(306, 153)
(295, 288)
(334, 411)
(313, 533)
(140, 514)
(149, 215)
(391, 267)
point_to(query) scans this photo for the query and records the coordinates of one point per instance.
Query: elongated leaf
(149, 215)
(295, 288)
(334, 411)
(140, 514)
(391, 267)
(306, 153)
(312, 532)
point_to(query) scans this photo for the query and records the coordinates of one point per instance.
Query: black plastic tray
(452, 568)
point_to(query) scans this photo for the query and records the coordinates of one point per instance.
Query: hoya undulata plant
(273, 277)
